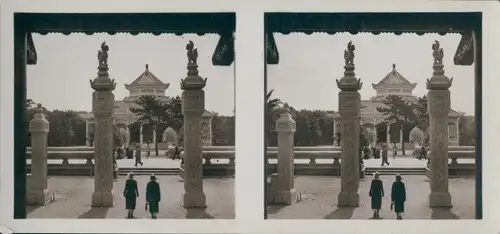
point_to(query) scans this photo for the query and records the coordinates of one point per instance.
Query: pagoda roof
(147, 78)
(394, 78)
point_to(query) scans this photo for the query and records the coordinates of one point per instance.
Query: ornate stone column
(438, 108)
(401, 141)
(349, 108)
(87, 133)
(388, 138)
(141, 138)
(334, 132)
(38, 193)
(103, 102)
(285, 190)
(193, 106)
(154, 138)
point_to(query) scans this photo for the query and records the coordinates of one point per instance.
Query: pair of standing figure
(131, 193)
(398, 195)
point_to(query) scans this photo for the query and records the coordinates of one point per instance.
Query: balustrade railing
(211, 153)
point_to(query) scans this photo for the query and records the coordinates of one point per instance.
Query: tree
(398, 111)
(467, 127)
(272, 105)
(153, 112)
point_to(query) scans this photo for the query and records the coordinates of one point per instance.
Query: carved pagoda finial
(285, 109)
(438, 81)
(38, 109)
(102, 55)
(437, 53)
(349, 54)
(192, 53)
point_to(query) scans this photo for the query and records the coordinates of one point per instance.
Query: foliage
(156, 114)
(66, 127)
(223, 130)
(467, 128)
(271, 115)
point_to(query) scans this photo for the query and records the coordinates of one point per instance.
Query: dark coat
(130, 193)
(153, 196)
(376, 193)
(138, 153)
(398, 196)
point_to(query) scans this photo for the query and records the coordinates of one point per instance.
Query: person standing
(398, 196)
(130, 193)
(153, 196)
(384, 155)
(394, 150)
(138, 158)
(376, 194)
(148, 151)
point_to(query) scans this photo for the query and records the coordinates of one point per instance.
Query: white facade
(393, 84)
(146, 84)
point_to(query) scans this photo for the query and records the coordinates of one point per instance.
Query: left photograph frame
(97, 168)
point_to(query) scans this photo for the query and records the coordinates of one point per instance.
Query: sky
(60, 79)
(305, 77)
(310, 65)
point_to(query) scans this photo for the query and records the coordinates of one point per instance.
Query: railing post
(285, 191)
(438, 109)
(103, 102)
(349, 108)
(38, 193)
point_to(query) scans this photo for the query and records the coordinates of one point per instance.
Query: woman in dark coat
(153, 196)
(398, 196)
(130, 193)
(376, 193)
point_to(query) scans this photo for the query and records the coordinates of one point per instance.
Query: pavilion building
(145, 84)
(373, 121)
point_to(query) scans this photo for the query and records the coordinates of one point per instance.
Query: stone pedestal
(438, 109)
(37, 191)
(285, 190)
(193, 106)
(103, 102)
(349, 109)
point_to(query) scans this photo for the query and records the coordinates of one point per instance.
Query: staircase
(148, 171)
(395, 170)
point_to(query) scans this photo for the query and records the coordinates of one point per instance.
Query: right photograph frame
(373, 115)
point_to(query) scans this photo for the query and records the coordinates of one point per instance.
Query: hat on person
(130, 175)
(376, 175)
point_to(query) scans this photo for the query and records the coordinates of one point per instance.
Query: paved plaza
(319, 200)
(73, 198)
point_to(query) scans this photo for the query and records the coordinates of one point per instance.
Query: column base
(38, 197)
(103, 199)
(194, 199)
(285, 197)
(440, 199)
(348, 199)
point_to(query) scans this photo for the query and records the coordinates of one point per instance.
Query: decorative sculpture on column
(438, 108)
(349, 109)
(285, 190)
(38, 193)
(193, 106)
(103, 102)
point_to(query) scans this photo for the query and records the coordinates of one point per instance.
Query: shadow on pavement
(95, 213)
(443, 213)
(197, 213)
(30, 209)
(274, 209)
(341, 213)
